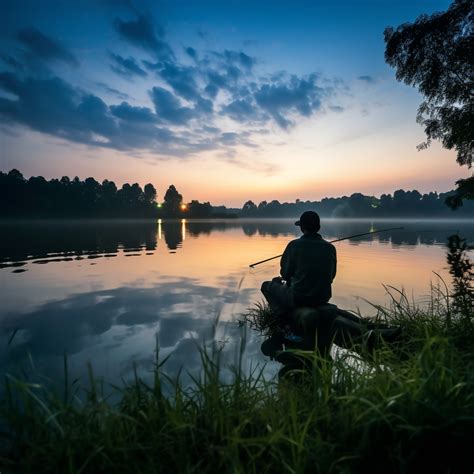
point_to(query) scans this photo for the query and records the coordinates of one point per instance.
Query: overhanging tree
(435, 54)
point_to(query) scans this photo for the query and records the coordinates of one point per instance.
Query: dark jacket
(308, 265)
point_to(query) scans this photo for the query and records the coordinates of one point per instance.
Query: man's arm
(286, 264)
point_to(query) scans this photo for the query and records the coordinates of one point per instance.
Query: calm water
(105, 292)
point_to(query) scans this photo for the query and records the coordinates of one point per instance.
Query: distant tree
(12, 193)
(435, 54)
(261, 206)
(136, 193)
(198, 209)
(15, 174)
(273, 208)
(360, 205)
(249, 209)
(386, 202)
(150, 193)
(172, 201)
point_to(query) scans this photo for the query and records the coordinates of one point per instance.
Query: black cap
(309, 220)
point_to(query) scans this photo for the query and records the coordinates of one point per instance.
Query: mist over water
(106, 292)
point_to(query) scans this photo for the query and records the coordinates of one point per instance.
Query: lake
(107, 292)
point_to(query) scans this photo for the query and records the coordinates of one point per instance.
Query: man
(308, 267)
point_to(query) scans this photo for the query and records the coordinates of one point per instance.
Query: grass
(412, 411)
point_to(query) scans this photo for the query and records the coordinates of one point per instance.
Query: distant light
(183, 207)
(159, 204)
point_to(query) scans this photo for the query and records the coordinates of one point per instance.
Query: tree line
(37, 197)
(401, 204)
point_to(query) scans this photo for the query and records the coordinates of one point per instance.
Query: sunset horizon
(216, 100)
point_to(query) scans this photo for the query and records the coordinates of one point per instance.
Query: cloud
(204, 106)
(367, 79)
(133, 114)
(240, 58)
(210, 86)
(143, 34)
(168, 108)
(126, 67)
(47, 105)
(182, 80)
(216, 82)
(212, 130)
(112, 91)
(300, 95)
(234, 139)
(242, 111)
(55, 107)
(45, 47)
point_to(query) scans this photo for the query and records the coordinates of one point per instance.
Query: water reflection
(174, 234)
(97, 326)
(61, 241)
(102, 291)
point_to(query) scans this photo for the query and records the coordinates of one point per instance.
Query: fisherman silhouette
(300, 300)
(307, 269)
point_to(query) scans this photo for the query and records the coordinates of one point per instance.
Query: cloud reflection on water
(91, 326)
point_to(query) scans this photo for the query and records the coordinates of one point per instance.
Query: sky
(227, 100)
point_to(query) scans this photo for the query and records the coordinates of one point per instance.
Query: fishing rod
(332, 242)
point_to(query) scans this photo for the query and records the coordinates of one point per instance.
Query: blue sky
(227, 100)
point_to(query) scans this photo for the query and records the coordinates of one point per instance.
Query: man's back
(309, 266)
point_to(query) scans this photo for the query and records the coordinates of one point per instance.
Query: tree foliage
(37, 197)
(435, 54)
(465, 190)
(172, 201)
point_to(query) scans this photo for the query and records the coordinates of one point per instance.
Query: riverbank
(409, 409)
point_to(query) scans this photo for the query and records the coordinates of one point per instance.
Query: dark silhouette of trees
(198, 210)
(149, 193)
(249, 209)
(65, 198)
(435, 55)
(172, 202)
(37, 197)
(401, 204)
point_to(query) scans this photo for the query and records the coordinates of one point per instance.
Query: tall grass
(411, 411)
